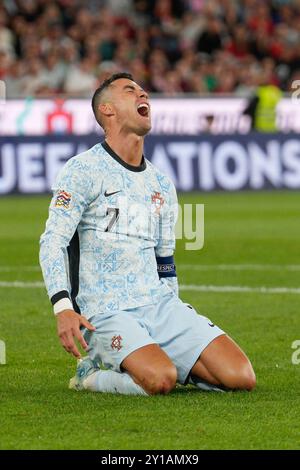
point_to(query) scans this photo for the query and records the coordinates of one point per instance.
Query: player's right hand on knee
(68, 328)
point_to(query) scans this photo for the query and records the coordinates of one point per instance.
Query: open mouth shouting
(143, 109)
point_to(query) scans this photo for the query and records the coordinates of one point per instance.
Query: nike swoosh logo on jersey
(106, 194)
(211, 324)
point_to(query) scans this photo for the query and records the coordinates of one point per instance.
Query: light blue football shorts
(173, 325)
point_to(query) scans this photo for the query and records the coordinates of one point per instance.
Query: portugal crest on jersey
(116, 342)
(157, 201)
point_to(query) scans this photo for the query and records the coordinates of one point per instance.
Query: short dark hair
(104, 85)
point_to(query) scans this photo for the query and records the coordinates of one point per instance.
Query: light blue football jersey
(108, 223)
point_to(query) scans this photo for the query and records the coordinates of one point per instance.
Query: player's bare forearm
(68, 328)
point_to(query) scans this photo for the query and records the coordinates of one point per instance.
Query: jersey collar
(113, 154)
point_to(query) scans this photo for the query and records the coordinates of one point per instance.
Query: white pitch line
(245, 289)
(188, 287)
(240, 267)
(21, 284)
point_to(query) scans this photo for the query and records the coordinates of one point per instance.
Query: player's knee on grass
(160, 381)
(241, 377)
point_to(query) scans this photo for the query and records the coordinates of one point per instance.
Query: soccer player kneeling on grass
(107, 260)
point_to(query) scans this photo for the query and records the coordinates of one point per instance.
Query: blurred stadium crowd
(170, 46)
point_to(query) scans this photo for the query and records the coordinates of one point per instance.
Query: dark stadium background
(223, 76)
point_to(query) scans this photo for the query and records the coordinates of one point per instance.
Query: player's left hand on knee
(68, 327)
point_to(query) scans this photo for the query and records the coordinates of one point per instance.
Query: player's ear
(106, 109)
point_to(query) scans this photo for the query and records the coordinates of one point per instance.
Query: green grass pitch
(251, 239)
